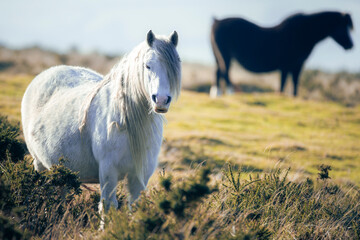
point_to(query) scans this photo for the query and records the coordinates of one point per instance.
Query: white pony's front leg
(108, 182)
(135, 187)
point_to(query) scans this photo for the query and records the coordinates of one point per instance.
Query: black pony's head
(341, 33)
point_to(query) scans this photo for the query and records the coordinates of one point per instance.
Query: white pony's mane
(133, 101)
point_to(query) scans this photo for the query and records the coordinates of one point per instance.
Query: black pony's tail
(218, 56)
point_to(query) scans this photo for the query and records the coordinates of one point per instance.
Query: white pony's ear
(174, 38)
(150, 37)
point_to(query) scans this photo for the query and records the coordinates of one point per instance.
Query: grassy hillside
(12, 88)
(258, 131)
(261, 131)
(222, 175)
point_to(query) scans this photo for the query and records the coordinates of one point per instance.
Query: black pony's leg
(218, 77)
(226, 73)
(295, 77)
(229, 85)
(215, 90)
(284, 74)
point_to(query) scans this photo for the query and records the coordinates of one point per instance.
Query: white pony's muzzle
(161, 103)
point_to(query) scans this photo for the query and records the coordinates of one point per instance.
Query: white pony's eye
(147, 66)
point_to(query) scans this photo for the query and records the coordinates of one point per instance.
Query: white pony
(106, 127)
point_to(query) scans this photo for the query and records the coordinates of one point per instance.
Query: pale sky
(115, 27)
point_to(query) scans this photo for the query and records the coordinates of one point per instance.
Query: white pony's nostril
(153, 97)
(168, 100)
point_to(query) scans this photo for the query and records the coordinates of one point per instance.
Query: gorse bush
(34, 201)
(8, 228)
(183, 197)
(44, 201)
(44, 196)
(10, 145)
(163, 214)
(9, 142)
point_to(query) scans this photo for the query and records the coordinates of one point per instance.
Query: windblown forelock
(168, 56)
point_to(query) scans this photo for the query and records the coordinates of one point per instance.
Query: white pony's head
(162, 71)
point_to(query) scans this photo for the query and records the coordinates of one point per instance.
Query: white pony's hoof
(230, 90)
(102, 216)
(215, 92)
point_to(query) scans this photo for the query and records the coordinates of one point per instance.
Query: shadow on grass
(186, 154)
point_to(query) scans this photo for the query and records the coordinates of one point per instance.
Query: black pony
(284, 47)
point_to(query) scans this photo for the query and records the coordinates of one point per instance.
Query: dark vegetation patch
(6, 64)
(334, 157)
(257, 103)
(324, 171)
(9, 141)
(207, 140)
(289, 148)
(251, 88)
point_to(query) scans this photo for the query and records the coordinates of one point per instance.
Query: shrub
(37, 201)
(9, 231)
(164, 214)
(43, 197)
(273, 206)
(9, 142)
